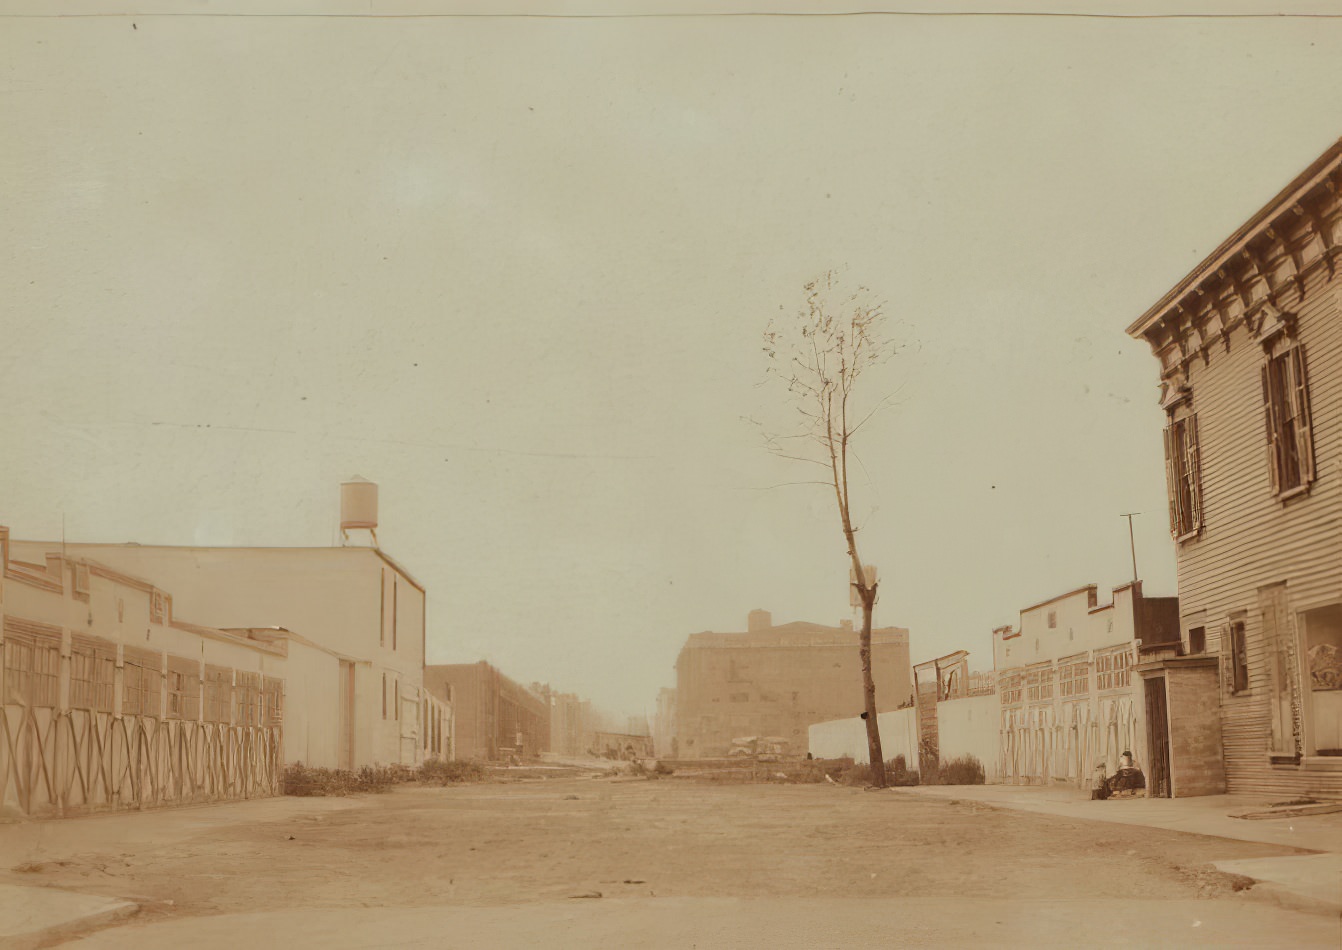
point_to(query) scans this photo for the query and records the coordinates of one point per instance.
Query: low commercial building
(776, 681)
(354, 605)
(108, 700)
(495, 717)
(1067, 695)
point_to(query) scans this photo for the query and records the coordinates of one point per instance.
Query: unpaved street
(596, 861)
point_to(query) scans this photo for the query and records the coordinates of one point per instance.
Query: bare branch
(783, 485)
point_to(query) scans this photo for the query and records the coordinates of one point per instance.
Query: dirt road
(602, 862)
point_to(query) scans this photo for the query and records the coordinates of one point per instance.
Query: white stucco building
(1068, 698)
(355, 605)
(351, 618)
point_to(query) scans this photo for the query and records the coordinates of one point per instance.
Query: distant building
(982, 682)
(664, 724)
(1250, 351)
(495, 716)
(775, 681)
(571, 725)
(936, 681)
(1067, 694)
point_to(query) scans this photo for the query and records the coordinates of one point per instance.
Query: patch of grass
(961, 770)
(898, 774)
(301, 780)
(439, 772)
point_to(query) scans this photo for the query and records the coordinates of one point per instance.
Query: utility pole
(1131, 543)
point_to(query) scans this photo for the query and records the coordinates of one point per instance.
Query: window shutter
(1270, 420)
(1171, 481)
(1194, 473)
(1302, 415)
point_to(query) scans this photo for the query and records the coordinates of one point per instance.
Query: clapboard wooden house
(1250, 351)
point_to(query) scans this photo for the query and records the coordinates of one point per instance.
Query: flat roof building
(776, 681)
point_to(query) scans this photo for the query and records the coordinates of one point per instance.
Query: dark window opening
(1239, 658)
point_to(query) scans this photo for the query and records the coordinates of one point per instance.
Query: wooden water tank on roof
(358, 504)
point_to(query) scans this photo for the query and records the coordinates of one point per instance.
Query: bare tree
(819, 355)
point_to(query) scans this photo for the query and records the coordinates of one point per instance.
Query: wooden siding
(1251, 539)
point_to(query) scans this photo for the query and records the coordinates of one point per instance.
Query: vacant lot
(639, 845)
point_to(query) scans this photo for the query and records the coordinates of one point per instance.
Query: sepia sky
(516, 271)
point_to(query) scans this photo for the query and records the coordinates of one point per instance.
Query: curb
(49, 936)
(1268, 892)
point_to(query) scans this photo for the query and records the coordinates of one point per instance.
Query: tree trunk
(869, 694)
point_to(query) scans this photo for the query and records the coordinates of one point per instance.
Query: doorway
(1158, 736)
(345, 737)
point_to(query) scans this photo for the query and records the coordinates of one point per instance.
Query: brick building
(776, 681)
(494, 717)
(572, 724)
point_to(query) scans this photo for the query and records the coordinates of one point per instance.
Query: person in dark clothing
(1128, 778)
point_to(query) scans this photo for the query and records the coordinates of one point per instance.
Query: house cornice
(1274, 243)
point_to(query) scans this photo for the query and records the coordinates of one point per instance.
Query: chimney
(846, 625)
(759, 620)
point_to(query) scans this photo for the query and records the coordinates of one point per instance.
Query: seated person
(1128, 777)
(1099, 786)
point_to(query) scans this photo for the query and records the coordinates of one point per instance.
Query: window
(247, 699)
(384, 695)
(32, 668)
(395, 594)
(1183, 476)
(396, 710)
(1286, 414)
(1039, 685)
(141, 684)
(218, 693)
(1052, 620)
(1010, 688)
(1239, 658)
(1322, 629)
(1074, 678)
(1197, 640)
(183, 688)
(1112, 669)
(92, 674)
(272, 696)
